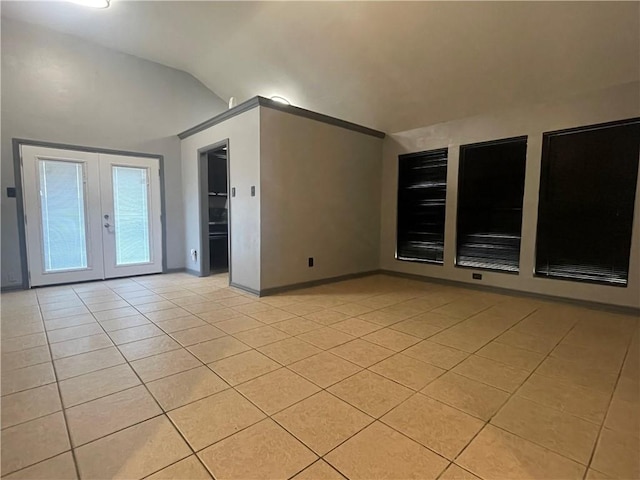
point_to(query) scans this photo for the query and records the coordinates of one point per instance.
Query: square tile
(133, 334)
(438, 355)
(289, 350)
(109, 305)
(322, 421)
(167, 314)
(324, 369)
(272, 315)
(352, 309)
(617, 454)
(97, 384)
(560, 432)
(124, 322)
(33, 441)
(476, 398)
(277, 390)
(320, 470)
(117, 313)
(433, 424)
(325, 337)
(251, 307)
(181, 323)
(391, 339)
(215, 314)
(623, 416)
(513, 356)
(18, 330)
(106, 415)
(80, 345)
(87, 362)
(213, 418)
(280, 454)
(164, 364)
(27, 377)
(326, 317)
(454, 472)
(134, 452)
(71, 333)
(238, 324)
(192, 336)
(24, 342)
(243, 367)
(29, 404)
(25, 358)
(379, 452)
(495, 453)
(188, 469)
(578, 373)
(64, 312)
(416, 327)
(361, 352)
(407, 371)
(61, 467)
(383, 319)
(371, 393)
(296, 325)
(492, 373)
(218, 349)
(527, 342)
(301, 308)
(154, 306)
(356, 327)
(258, 337)
(579, 401)
(185, 387)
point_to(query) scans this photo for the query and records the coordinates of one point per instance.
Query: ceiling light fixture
(93, 3)
(279, 99)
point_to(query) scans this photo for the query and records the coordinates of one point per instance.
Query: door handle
(107, 225)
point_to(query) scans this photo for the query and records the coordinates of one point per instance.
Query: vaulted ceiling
(387, 65)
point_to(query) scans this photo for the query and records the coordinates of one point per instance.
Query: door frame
(203, 190)
(18, 177)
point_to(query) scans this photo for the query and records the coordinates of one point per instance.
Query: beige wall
(607, 105)
(243, 132)
(320, 198)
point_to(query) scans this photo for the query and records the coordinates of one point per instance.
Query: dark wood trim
(266, 102)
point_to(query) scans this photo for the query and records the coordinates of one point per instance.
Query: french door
(90, 216)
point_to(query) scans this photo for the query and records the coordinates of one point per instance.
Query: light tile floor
(176, 377)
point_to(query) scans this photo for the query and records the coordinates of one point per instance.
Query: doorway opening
(214, 178)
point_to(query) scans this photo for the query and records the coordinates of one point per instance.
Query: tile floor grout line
(413, 392)
(162, 411)
(604, 419)
(513, 394)
(64, 413)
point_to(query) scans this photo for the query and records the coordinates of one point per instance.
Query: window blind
(587, 193)
(422, 188)
(62, 207)
(131, 215)
(490, 193)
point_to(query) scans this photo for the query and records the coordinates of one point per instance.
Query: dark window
(587, 192)
(422, 188)
(490, 191)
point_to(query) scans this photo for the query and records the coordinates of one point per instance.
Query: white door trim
(18, 145)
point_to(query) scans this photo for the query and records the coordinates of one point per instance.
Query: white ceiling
(387, 65)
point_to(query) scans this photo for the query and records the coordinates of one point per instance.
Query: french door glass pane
(62, 206)
(131, 215)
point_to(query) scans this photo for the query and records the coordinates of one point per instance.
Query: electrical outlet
(194, 255)
(311, 261)
(476, 276)
(11, 277)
